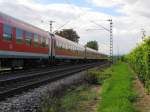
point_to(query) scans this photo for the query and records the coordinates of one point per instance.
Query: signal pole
(51, 26)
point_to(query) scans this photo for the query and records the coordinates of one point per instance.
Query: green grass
(97, 77)
(117, 94)
(74, 100)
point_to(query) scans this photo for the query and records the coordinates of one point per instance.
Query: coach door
(52, 49)
(49, 53)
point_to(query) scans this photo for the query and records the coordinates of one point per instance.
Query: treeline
(139, 60)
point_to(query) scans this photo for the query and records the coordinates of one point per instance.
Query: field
(75, 99)
(114, 94)
(117, 92)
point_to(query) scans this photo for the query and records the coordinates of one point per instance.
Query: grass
(97, 77)
(77, 99)
(117, 94)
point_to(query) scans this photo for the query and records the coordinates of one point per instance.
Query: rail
(11, 85)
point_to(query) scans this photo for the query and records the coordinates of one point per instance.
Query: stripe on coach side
(14, 54)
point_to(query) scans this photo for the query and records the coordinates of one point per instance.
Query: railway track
(9, 71)
(16, 83)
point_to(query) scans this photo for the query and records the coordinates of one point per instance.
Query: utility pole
(51, 26)
(143, 33)
(111, 40)
(110, 30)
(118, 52)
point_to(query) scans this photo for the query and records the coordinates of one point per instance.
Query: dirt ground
(91, 106)
(143, 101)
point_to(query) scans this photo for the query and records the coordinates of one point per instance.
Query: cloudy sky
(128, 16)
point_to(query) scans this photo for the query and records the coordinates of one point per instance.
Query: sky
(129, 17)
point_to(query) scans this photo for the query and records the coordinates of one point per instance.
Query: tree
(69, 34)
(92, 44)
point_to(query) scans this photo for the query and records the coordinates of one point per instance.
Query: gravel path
(31, 101)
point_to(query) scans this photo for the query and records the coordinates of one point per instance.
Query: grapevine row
(139, 59)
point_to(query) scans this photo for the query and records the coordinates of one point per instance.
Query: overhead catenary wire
(85, 13)
(111, 36)
(109, 30)
(100, 26)
(68, 2)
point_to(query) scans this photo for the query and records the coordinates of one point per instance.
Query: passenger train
(22, 44)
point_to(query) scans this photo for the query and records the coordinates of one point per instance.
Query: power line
(93, 29)
(67, 1)
(100, 26)
(67, 21)
(109, 30)
(111, 36)
(62, 25)
(51, 22)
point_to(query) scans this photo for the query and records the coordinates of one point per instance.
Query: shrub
(139, 60)
(97, 77)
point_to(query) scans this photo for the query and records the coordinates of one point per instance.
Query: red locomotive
(22, 44)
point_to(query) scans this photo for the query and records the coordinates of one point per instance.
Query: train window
(66, 46)
(69, 47)
(7, 32)
(72, 48)
(28, 38)
(35, 40)
(58, 45)
(43, 42)
(47, 42)
(61, 45)
(19, 35)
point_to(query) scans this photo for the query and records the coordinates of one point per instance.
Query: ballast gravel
(30, 101)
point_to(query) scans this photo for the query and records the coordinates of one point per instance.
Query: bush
(139, 60)
(97, 77)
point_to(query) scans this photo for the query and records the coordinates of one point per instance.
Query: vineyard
(139, 60)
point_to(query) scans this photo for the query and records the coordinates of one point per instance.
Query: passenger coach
(68, 51)
(22, 44)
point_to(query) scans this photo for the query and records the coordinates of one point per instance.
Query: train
(24, 45)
